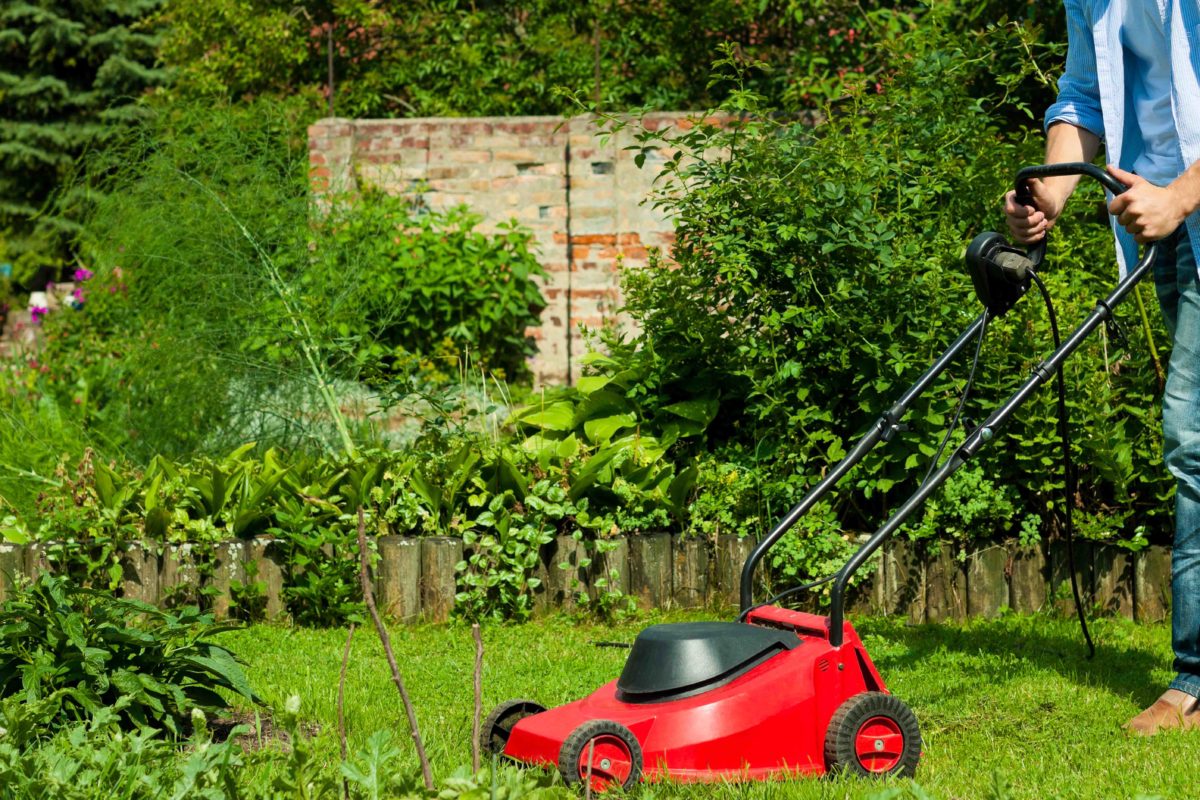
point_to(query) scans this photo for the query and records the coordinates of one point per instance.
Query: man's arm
(1064, 143)
(1151, 212)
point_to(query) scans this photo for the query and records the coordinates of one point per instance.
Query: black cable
(962, 400)
(786, 593)
(1069, 481)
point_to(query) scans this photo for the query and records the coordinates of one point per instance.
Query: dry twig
(364, 575)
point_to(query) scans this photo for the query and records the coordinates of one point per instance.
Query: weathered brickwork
(580, 196)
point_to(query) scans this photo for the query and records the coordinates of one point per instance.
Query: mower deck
(702, 709)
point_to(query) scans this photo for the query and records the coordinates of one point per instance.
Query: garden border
(415, 576)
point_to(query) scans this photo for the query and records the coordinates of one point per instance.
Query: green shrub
(817, 271)
(970, 503)
(431, 284)
(98, 759)
(455, 57)
(727, 499)
(76, 654)
(462, 58)
(222, 311)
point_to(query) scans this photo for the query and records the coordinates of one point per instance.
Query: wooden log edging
(415, 578)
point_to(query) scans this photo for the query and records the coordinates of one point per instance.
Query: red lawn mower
(780, 692)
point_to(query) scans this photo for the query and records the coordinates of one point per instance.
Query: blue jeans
(1178, 294)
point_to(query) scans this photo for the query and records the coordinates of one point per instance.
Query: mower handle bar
(889, 424)
(1025, 193)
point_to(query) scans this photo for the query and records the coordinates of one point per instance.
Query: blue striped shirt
(1096, 90)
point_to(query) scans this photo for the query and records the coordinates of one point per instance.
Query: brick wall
(582, 199)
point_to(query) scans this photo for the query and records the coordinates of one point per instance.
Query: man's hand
(1029, 225)
(1147, 211)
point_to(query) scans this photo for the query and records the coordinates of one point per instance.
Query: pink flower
(36, 313)
(82, 274)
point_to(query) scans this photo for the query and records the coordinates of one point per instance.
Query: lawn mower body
(759, 708)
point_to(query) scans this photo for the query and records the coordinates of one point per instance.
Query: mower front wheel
(494, 733)
(873, 734)
(605, 751)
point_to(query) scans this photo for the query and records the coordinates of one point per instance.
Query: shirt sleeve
(1078, 100)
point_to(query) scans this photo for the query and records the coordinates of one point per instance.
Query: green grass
(1008, 708)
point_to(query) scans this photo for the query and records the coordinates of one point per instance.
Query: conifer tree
(71, 73)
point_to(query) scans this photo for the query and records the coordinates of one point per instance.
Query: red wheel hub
(610, 760)
(879, 744)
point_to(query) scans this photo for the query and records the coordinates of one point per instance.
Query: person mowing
(1132, 82)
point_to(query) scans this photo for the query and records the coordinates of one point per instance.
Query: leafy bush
(970, 502)
(222, 312)
(98, 759)
(441, 58)
(609, 437)
(76, 653)
(728, 498)
(433, 284)
(497, 578)
(816, 273)
(453, 58)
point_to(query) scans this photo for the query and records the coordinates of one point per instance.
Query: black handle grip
(1067, 168)
(1025, 192)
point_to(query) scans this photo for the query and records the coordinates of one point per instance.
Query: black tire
(616, 755)
(873, 734)
(493, 733)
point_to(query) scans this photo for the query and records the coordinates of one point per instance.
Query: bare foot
(1175, 709)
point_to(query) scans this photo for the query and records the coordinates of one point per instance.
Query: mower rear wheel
(603, 750)
(873, 734)
(493, 734)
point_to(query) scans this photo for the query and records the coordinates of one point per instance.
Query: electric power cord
(962, 401)
(1069, 479)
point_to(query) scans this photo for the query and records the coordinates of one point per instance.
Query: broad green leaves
(79, 652)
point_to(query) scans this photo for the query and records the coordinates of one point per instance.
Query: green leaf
(156, 523)
(701, 411)
(591, 383)
(600, 431)
(222, 666)
(426, 491)
(105, 481)
(72, 625)
(567, 448)
(680, 488)
(554, 417)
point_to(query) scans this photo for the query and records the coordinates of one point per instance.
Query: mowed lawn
(1008, 708)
